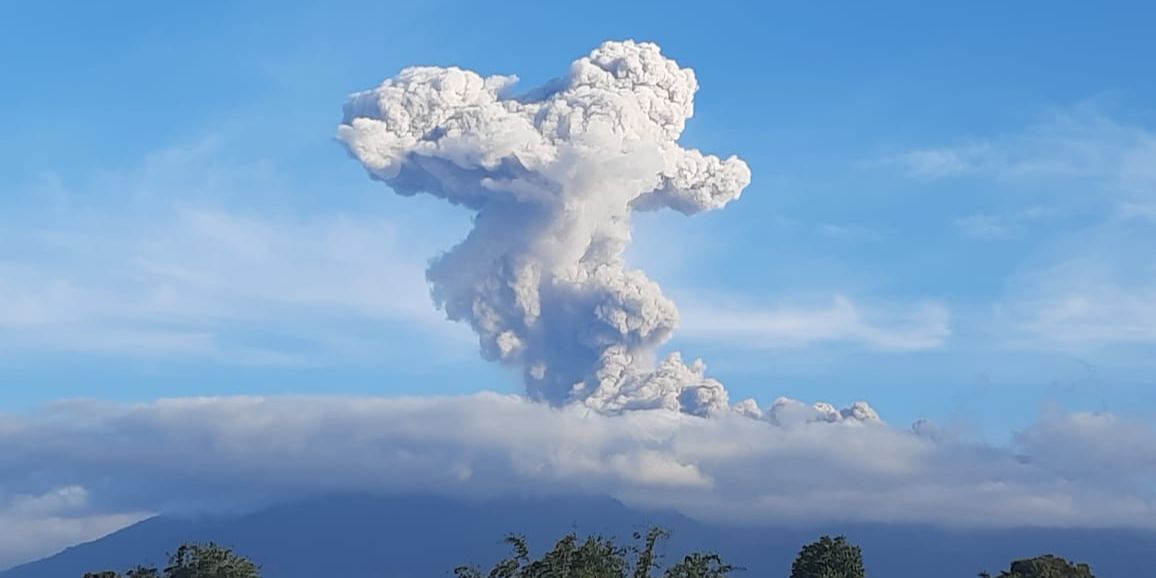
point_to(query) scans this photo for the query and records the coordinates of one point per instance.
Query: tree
(699, 565)
(1046, 566)
(138, 572)
(829, 558)
(209, 561)
(598, 557)
(194, 561)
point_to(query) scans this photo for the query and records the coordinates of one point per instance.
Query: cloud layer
(806, 465)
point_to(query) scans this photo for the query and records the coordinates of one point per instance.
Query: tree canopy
(599, 557)
(193, 561)
(829, 558)
(1046, 566)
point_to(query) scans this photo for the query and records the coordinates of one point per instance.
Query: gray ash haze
(553, 175)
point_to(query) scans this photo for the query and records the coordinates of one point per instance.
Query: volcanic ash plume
(552, 176)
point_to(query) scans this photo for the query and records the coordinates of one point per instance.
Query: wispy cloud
(1091, 179)
(1139, 210)
(1094, 288)
(924, 325)
(940, 163)
(1104, 315)
(158, 260)
(1084, 303)
(175, 284)
(1080, 143)
(849, 233)
(1005, 225)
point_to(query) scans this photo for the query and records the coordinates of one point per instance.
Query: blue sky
(951, 213)
(951, 217)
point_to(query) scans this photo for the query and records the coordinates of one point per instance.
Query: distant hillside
(425, 536)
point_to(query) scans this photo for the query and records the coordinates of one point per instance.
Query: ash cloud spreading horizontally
(553, 175)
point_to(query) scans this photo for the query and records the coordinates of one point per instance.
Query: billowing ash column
(553, 175)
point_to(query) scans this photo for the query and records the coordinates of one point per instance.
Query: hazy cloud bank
(803, 466)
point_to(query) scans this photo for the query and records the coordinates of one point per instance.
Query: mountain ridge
(424, 535)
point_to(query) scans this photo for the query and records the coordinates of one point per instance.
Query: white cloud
(925, 325)
(1067, 470)
(59, 517)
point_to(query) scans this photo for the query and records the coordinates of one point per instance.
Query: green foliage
(143, 572)
(829, 558)
(194, 561)
(1047, 566)
(209, 561)
(598, 557)
(699, 565)
(138, 572)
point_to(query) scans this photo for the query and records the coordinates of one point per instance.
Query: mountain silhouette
(425, 536)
